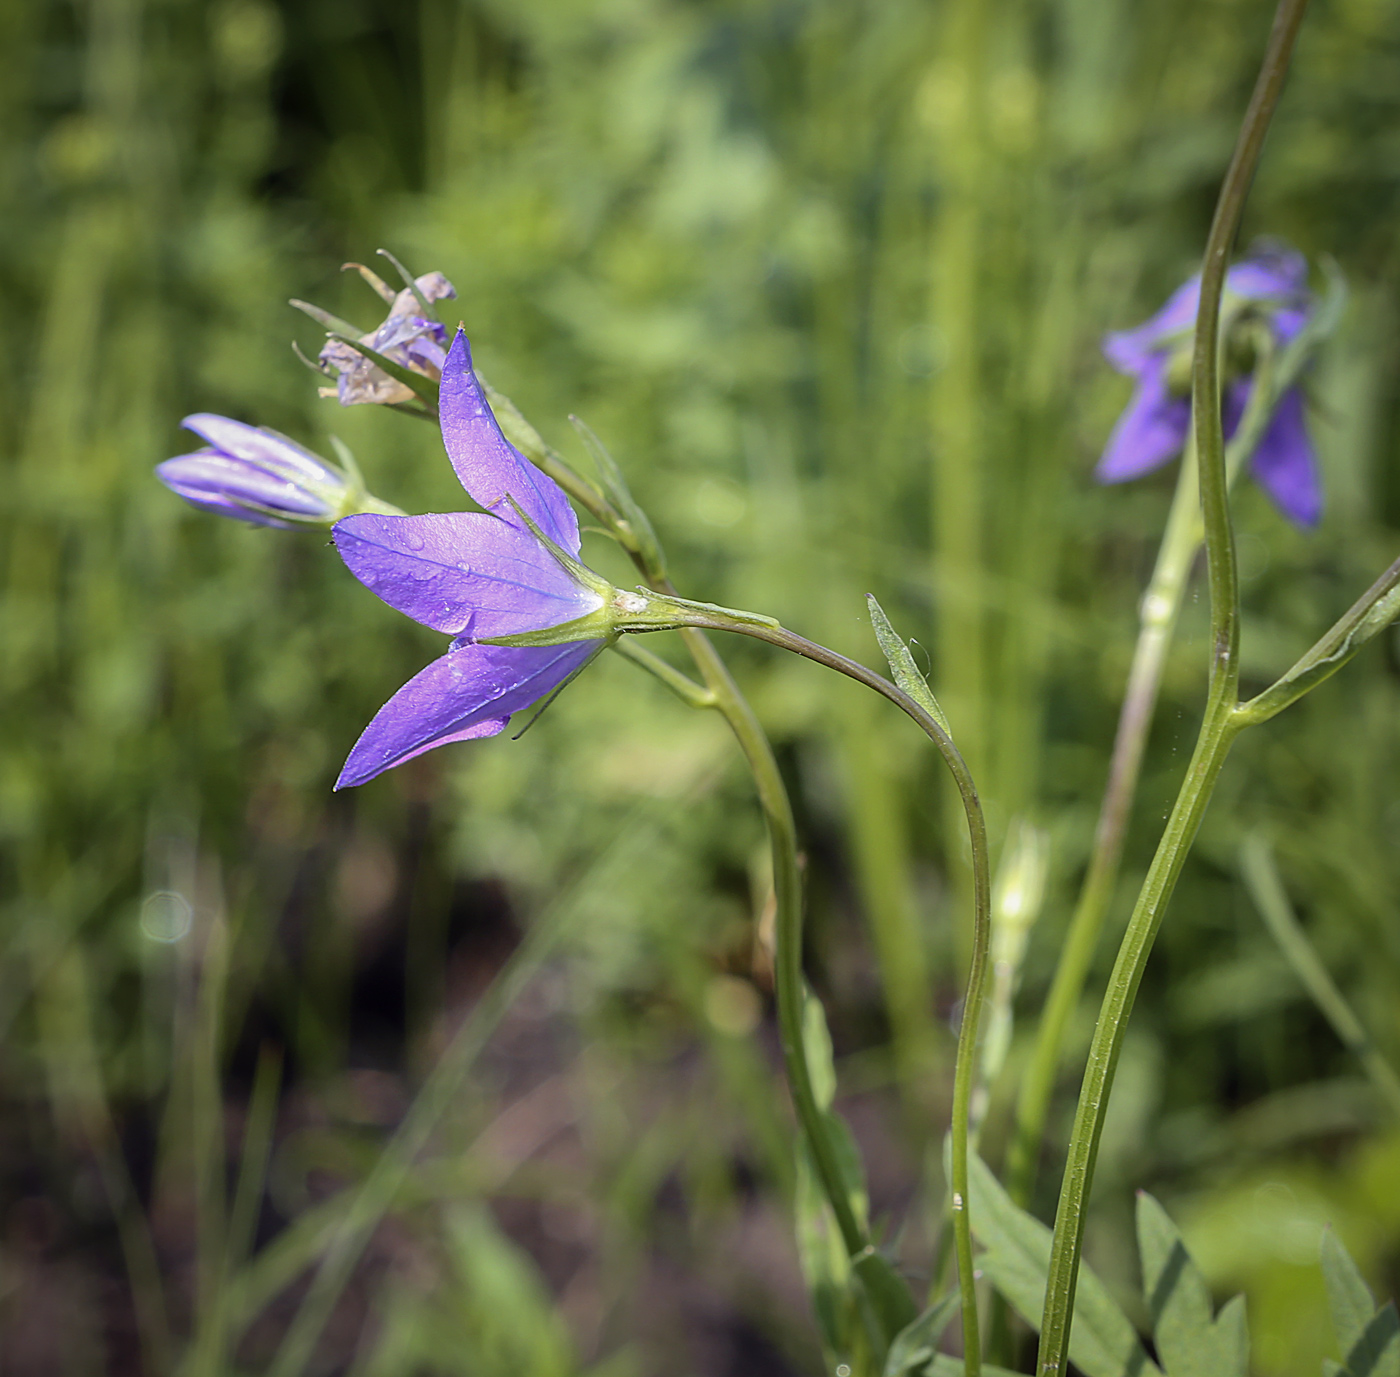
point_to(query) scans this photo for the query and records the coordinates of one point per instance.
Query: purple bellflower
(507, 571)
(408, 336)
(254, 474)
(1269, 287)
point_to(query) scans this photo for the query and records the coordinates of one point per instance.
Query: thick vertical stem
(1218, 730)
(1161, 606)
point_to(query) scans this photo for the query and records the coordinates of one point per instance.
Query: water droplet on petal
(413, 541)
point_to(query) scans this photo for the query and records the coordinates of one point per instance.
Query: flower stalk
(1219, 728)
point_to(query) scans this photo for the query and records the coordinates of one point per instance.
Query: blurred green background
(829, 279)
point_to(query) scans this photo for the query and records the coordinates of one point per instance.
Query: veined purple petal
(469, 693)
(1285, 466)
(213, 501)
(259, 444)
(461, 572)
(233, 486)
(489, 467)
(1151, 431)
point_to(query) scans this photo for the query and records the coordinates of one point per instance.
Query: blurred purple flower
(475, 575)
(1270, 285)
(254, 474)
(407, 336)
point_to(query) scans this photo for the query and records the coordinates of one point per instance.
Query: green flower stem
(1217, 734)
(1221, 724)
(682, 685)
(1160, 608)
(966, 1067)
(777, 810)
(1261, 877)
(1158, 614)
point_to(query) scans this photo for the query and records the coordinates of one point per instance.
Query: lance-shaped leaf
(617, 492)
(912, 1349)
(902, 666)
(1369, 1337)
(1102, 1342)
(1191, 1341)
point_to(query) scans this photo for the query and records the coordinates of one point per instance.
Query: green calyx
(620, 612)
(624, 613)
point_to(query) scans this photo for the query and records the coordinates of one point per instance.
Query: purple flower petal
(489, 467)
(469, 693)
(1285, 466)
(1131, 351)
(461, 572)
(256, 443)
(1151, 431)
(1270, 271)
(234, 487)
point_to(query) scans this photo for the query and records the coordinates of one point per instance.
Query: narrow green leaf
(913, 1345)
(1103, 1342)
(1377, 1352)
(816, 1042)
(422, 387)
(944, 1366)
(1348, 1296)
(906, 672)
(411, 283)
(825, 1266)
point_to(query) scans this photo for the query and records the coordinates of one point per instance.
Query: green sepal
(906, 672)
(411, 283)
(332, 324)
(580, 573)
(376, 284)
(615, 489)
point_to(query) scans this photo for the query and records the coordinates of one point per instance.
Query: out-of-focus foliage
(828, 278)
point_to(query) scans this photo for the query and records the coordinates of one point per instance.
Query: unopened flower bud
(254, 474)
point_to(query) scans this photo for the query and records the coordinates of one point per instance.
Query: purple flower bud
(476, 576)
(407, 336)
(1270, 286)
(254, 474)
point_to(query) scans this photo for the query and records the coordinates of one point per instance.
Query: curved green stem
(1221, 724)
(966, 1067)
(722, 693)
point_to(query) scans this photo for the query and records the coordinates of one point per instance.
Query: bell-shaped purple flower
(1271, 286)
(407, 335)
(254, 474)
(476, 576)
